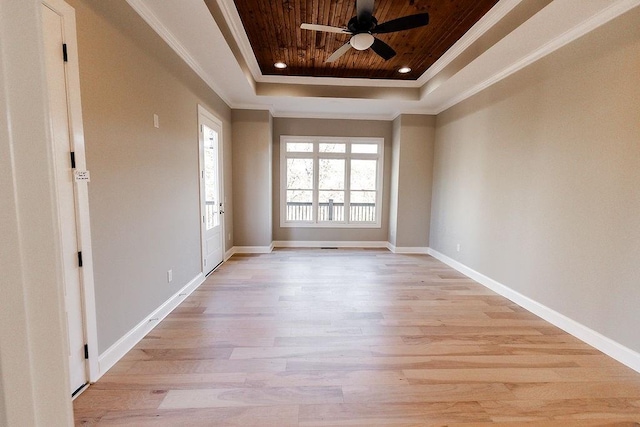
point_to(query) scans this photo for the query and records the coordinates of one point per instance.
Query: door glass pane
(299, 190)
(211, 183)
(363, 190)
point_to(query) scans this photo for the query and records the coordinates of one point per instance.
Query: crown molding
(154, 22)
(333, 116)
(605, 15)
(232, 17)
(259, 107)
(338, 81)
(341, 116)
(499, 11)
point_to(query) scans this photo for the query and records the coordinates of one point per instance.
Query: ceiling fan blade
(364, 9)
(383, 49)
(404, 23)
(325, 28)
(338, 53)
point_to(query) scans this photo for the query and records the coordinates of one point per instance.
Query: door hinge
(205, 262)
(73, 160)
(65, 58)
(86, 351)
(203, 218)
(79, 259)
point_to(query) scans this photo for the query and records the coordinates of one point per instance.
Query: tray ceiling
(209, 37)
(273, 30)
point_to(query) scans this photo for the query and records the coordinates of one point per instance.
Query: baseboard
(407, 249)
(252, 249)
(328, 244)
(121, 347)
(228, 254)
(595, 339)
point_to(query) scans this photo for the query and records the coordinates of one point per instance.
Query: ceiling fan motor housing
(364, 25)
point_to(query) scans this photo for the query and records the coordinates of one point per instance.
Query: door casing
(81, 191)
(205, 116)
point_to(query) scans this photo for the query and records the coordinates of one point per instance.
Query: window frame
(316, 155)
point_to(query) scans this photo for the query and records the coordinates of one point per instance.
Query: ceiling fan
(364, 25)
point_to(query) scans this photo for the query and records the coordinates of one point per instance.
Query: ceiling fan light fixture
(404, 70)
(280, 65)
(362, 41)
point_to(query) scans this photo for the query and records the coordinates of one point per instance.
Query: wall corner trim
(121, 347)
(595, 339)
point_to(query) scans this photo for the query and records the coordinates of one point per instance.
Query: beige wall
(326, 127)
(34, 387)
(144, 190)
(537, 179)
(252, 177)
(411, 177)
(395, 175)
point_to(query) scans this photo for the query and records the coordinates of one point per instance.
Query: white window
(331, 182)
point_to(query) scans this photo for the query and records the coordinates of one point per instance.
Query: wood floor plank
(254, 396)
(563, 410)
(582, 390)
(410, 393)
(310, 337)
(394, 414)
(119, 399)
(281, 416)
(445, 362)
(326, 378)
(169, 381)
(297, 352)
(153, 367)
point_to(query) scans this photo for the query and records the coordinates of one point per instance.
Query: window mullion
(347, 190)
(316, 183)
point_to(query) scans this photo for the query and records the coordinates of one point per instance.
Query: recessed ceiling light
(280, 65)
(404, 70)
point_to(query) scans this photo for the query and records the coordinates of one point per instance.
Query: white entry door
(212, 207)
(53, 33)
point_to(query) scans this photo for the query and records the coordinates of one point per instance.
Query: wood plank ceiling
(273, 29)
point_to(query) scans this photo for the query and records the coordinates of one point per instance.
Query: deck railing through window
(331, 211)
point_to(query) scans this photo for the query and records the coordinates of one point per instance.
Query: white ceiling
(189, 28)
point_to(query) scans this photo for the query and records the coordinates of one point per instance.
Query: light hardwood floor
(357, 338)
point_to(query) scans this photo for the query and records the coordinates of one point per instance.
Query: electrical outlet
(229, 238)
(169, 276)
(156, 121)
(458, 247)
